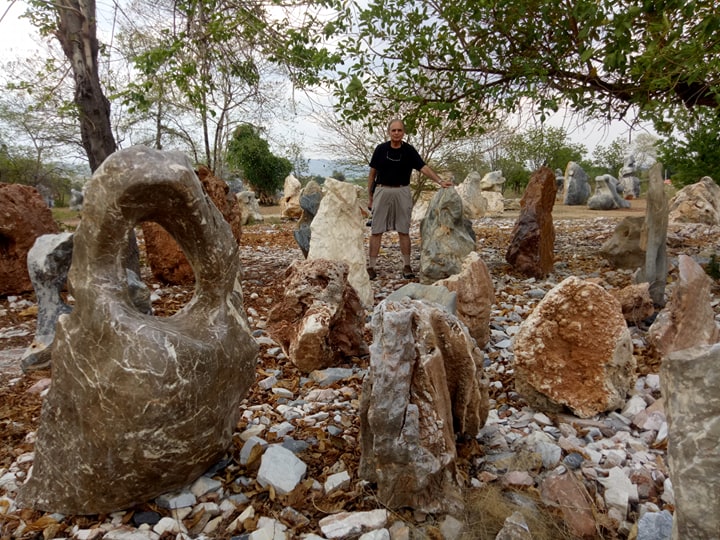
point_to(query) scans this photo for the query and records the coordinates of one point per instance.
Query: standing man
(389, 194)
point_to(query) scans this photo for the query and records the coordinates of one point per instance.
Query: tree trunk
(77, 33)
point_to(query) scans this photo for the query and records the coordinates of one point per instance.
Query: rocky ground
(317, 417)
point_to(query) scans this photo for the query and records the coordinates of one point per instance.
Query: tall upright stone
(290, 202)
(690, 385)
(576, 189)
(533, 241)
(337, 233)
(310, 198)
(425, 388)
(655, 269)
(688, 319)
(141, 405)
(447, 237)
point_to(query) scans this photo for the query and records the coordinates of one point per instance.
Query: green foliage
(713, 267)
(610, 158)
(441, 60)
(695, 152)
(251, 154)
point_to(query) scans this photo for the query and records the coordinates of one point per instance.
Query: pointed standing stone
(656, 219)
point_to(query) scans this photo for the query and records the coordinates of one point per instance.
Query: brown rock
(141, 405)
(166, 259)
(623, 249)
(320, 320)
(475, 296)
(575, 350)
(567, 492)
(697, 203)
(531, 249)
(635, 302)
(23, 217)
(688, 320)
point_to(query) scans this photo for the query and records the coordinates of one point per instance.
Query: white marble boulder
(320, 320)
(141, 405)
(249, 207)
(424, 390)
(574, 350)
(290, 203)
(337, 234)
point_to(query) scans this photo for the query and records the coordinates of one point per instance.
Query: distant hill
(325, 167)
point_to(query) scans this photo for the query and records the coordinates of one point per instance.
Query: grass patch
(64, 213)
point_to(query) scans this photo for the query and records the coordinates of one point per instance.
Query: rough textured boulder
(475, 296)
(320, 321)
(628, 182)
(290, 203)
(142, 404)
(624, 248)
(425, 387)
(690, 383)
(688, 319)
(635, 302)
(576, 189)
(574, 350)
(447, 237)
(606, 195)
(24, 216)
(337, 234)
(166, 259)
(697, 203)
(531, 249)
(481, 195)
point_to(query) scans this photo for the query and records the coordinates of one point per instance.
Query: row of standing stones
(445, 342)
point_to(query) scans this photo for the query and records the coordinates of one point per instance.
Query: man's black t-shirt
(395, 165)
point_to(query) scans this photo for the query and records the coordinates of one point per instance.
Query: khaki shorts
(392, 209)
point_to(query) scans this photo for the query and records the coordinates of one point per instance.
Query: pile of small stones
(620, 457)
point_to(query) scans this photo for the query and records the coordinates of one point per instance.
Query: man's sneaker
(407, 272)
(372, 274)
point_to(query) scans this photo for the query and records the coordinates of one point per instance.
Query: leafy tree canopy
(251, 154)
(603, 57)
(697, 154)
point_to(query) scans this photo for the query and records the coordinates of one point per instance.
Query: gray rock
(281, 469)
(655, 526)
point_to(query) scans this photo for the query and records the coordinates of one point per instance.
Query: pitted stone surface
(623, 249)
(23, 217)
(575, 350)
(139, 403)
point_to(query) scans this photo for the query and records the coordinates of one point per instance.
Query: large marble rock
(533, 240)
(690, 385)
(337, 233)
(576, 190)
(697, 203)
(320, 321)
(24, 216)
(425, 387)
(310, 198)
(447, 237)
(606, 195)
(141, 405)
(165, 258)
(48, 263)
(249, 207)
(624, 249)
(290, 203)
(654, 239)
(574, 350)
(688, 319)
(475, 292)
